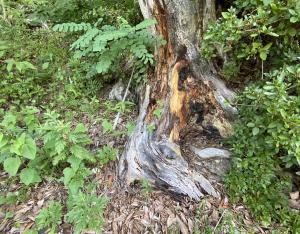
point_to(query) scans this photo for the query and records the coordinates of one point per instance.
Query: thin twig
(218, 222)
(124, 98)
(262, 69)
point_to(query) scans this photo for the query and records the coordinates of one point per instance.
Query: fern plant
(106, 46)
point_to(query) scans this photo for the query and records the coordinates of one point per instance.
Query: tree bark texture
(195, 112)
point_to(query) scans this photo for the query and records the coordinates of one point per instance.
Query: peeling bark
(192, 95)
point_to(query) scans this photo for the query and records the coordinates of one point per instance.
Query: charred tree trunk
(195, 111)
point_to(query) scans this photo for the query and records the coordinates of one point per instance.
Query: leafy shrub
(265, 30)
(85, 212)
(50, 217)
(262, 36)
(17, 143)
(88, 10)
(266, 140)
(41, 148)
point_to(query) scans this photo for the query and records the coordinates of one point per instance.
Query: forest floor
(136, 210)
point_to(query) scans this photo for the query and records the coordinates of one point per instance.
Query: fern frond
(72, 27)
(145, 24)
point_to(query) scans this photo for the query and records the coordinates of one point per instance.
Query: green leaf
(80, 152)
(29, 148)
(225, 15)
(267, 2)
(267, 46)
(145, 24)
(103, 65)
(10, 64)
(130, 128)
(263, 55)
(69, 173)
(75, 162)
(80, 128)
(9, 120)
(292, 32)
(250, 125)
(45, 66)
(3, 140)
(107, 126)
(11, 165)
(255, 131)
(294, 19)
(18, 144)
(29, 176)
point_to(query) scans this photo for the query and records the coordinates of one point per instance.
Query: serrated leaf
(29, 176)
(60, 146)
(103, 65)
(145, 24)
(80, 128)
(80, 152)
(74, 162)
(68, 175)
(11, 165)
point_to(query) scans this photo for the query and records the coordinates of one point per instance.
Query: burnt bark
(195, 101)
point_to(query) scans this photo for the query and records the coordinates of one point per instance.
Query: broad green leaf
(9, 120)
(11, 165)
(255, 131)
(294, 19)
(18, 144)
(29, 148)
(29, 176)
(263, 55)
(3, 141)
(250, 125)
(10, 64)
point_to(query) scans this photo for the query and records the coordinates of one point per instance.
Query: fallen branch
(123, 100)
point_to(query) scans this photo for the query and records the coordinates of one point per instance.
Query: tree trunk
(178, 156)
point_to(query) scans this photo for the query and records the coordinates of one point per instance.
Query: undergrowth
(263, 35)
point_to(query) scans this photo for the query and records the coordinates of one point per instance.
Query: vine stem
(124, 98)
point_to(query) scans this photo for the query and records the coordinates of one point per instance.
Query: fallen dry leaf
(294, 195)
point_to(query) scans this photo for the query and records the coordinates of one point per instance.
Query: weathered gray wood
(157, 156)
